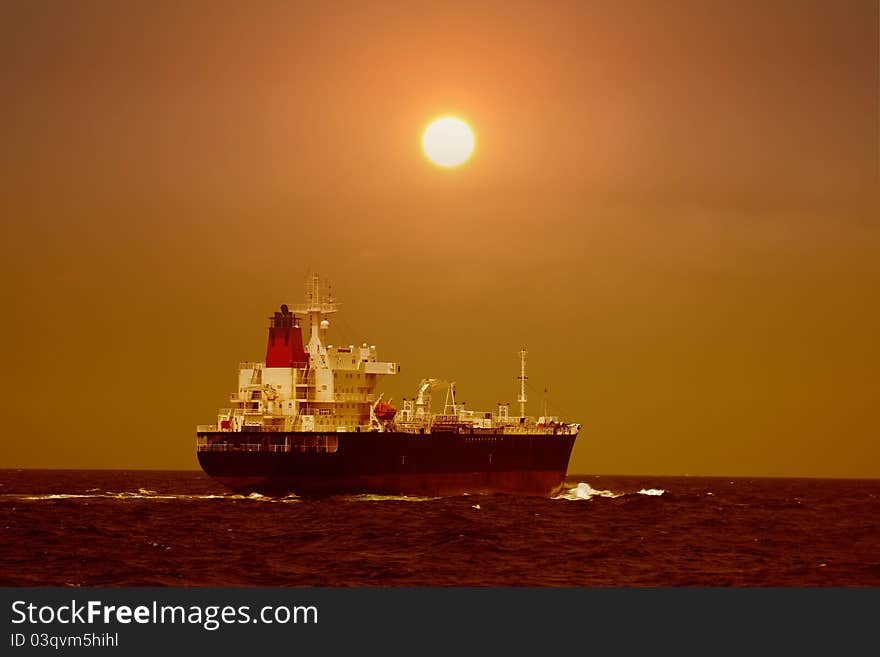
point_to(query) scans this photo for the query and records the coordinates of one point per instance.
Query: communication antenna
(522, 399)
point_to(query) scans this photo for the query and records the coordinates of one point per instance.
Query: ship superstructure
(310, 420)
(303, 387)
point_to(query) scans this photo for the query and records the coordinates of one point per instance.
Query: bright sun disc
(448, 141)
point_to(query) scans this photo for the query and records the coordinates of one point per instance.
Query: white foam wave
(368, 497)
(583, 491)
(53, 497)
(652, 491)
(259, 497)
(106, 496)
(143, 494)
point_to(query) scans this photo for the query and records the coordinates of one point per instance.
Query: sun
(448, 141)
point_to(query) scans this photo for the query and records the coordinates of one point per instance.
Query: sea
(147, 528)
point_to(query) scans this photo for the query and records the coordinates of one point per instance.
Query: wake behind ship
(309, 421)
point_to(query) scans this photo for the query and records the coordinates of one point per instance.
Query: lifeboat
(385, 411)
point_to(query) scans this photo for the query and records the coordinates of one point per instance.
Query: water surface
(142, 528)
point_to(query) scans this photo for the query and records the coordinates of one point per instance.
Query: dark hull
(387, 463)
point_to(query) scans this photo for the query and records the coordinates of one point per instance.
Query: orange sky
(672, 204)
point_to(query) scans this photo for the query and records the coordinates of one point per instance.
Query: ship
(309, 421)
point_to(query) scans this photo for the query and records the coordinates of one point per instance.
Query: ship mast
(319, 304)
(522, 399)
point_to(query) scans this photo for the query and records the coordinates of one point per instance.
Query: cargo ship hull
(387, 463)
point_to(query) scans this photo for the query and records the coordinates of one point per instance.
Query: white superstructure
(319, 387)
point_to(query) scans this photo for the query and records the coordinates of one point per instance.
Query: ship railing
(320, 447)
(231, 447)
(213, 447)
(206, 428)
(418, 429)
(563, 430)
(327, 447)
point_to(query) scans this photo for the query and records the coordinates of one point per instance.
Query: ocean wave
(143, 494)
(583, 491)
(617, 539)
(369, 497)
